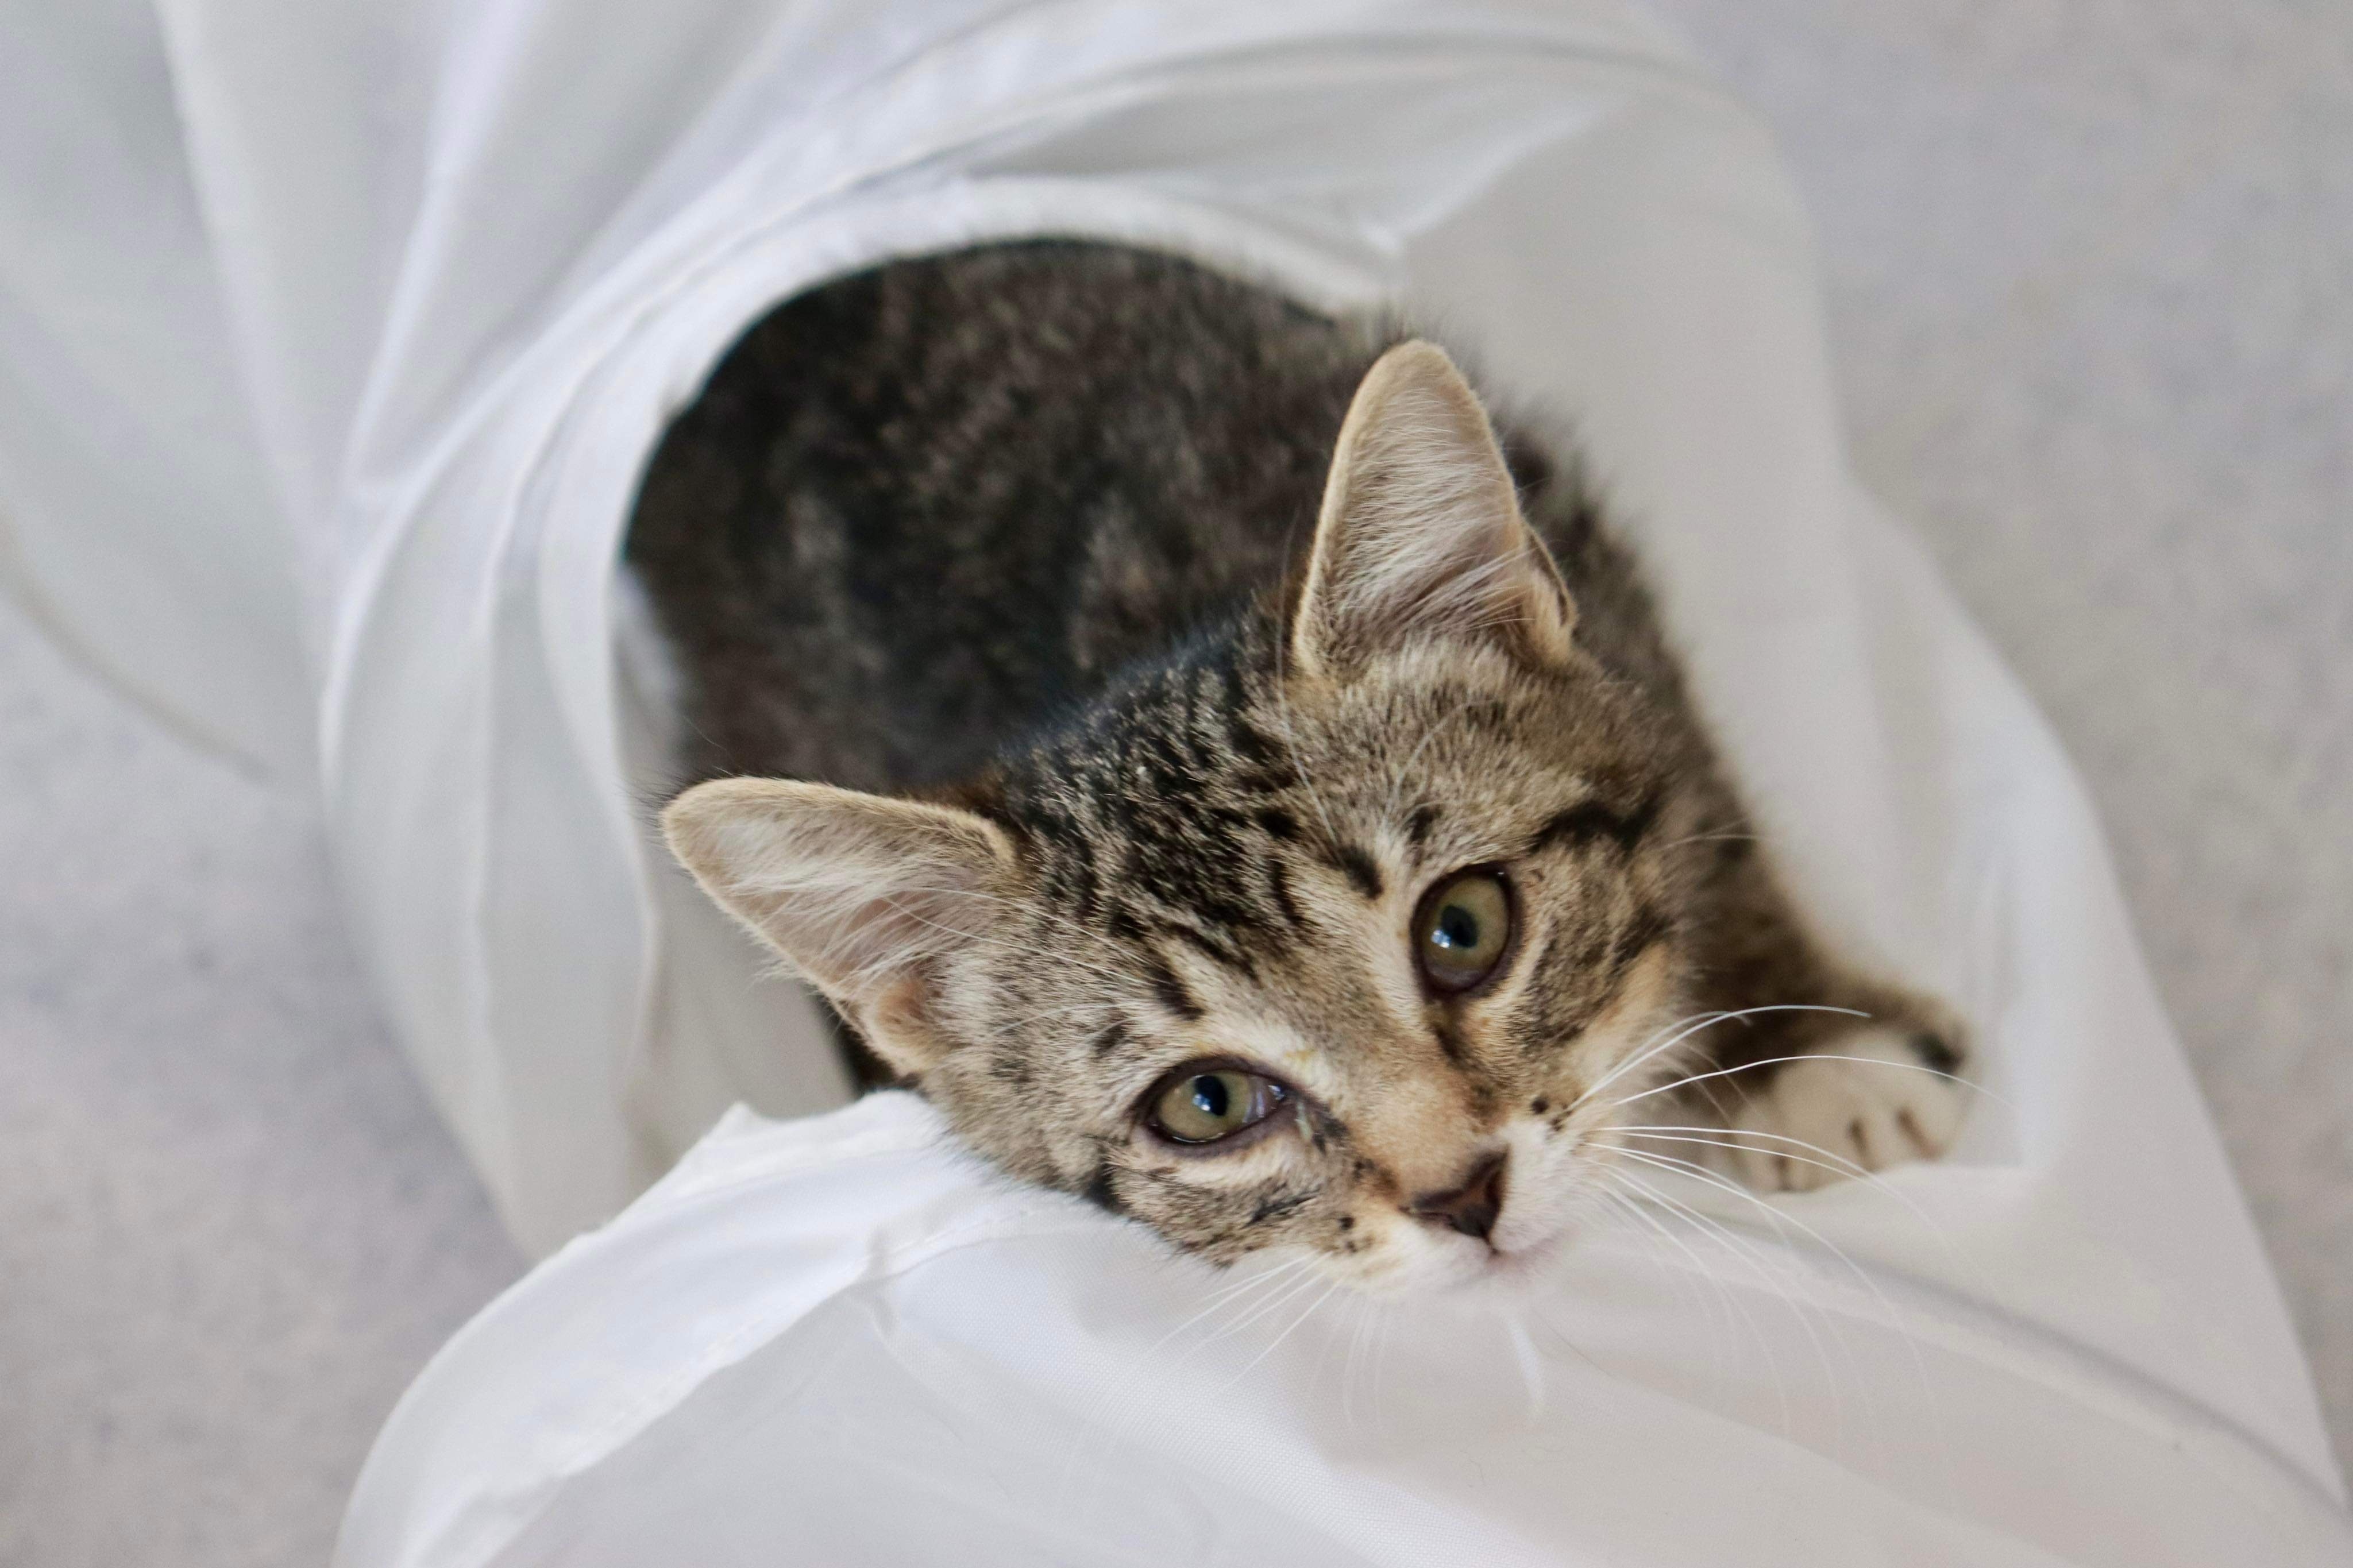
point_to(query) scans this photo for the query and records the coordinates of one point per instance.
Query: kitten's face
(1346, 936)
(1372, 1018)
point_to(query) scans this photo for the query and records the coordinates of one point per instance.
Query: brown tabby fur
(1132, 722)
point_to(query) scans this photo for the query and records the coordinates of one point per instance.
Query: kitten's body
(919, 514)
(1026, 531)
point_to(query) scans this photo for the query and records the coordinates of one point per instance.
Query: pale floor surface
(2090, 287)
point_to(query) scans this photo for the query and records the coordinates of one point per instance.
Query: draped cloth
(332, 341)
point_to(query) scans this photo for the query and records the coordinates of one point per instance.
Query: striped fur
(1128, 651)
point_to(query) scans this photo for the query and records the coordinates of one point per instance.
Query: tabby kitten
(1224, 778)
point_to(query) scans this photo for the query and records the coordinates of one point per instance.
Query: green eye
(1462, 930)
(1206, 1102)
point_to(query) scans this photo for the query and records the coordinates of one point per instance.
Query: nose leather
(1471, 1207)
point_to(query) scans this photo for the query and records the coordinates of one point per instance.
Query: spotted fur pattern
(1114, 654)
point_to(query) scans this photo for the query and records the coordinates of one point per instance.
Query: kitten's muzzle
(1472, 1207)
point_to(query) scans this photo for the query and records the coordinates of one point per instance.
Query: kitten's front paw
(1874, 1098)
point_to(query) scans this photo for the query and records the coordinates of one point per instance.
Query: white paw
(1868, 1102)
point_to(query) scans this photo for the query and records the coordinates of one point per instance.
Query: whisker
(1703, 1021)
(1757, 1260)
(1895, 1320)
(1304, 1313)
(1688, 1025)
(1228, 1295)
(1622, 1207)
(1275, 1302)
(1712, 1137)
(1836, 1162)
(1733, 1314)
(1315, 1378)
(1755, 1255)
(1814, 1057)
(1626, 1206)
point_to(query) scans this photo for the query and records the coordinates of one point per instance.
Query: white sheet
(835, 1342)
(331, 341)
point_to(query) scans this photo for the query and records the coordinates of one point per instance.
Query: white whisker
(1733, 1314)
(1304, 1313)
(1757, 1259)
(1894, 1319)
(1703, 1021)
(1811, 1056)
(1275, 1281)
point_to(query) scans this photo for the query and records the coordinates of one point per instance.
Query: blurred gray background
(2090, 274)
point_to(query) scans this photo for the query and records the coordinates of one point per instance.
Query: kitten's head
(1332, 933)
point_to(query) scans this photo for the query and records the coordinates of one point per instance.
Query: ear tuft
(863, 893)
(1420, 534)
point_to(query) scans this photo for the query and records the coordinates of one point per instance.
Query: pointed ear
(1420, 534)
(863, 893)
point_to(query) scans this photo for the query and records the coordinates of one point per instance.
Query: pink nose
(1469, 1208)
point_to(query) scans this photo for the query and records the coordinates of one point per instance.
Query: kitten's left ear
(1420, 534)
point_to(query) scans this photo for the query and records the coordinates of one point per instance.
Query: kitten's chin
(1508, 1276)
(1470, 1271)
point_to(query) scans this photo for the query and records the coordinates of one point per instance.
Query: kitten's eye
(1206, 1102)
(1462, 930)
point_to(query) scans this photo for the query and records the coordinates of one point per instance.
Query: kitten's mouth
(1509, 1270)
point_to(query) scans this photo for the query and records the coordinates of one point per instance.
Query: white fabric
(835, 1342)
(332, 339)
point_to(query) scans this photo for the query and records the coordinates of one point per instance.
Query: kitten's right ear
(863, 893)
(1420, 535)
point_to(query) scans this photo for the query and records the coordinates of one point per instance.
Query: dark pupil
(1458, 927)
(1210, 1096)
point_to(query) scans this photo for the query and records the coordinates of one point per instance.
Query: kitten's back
(921, 512)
